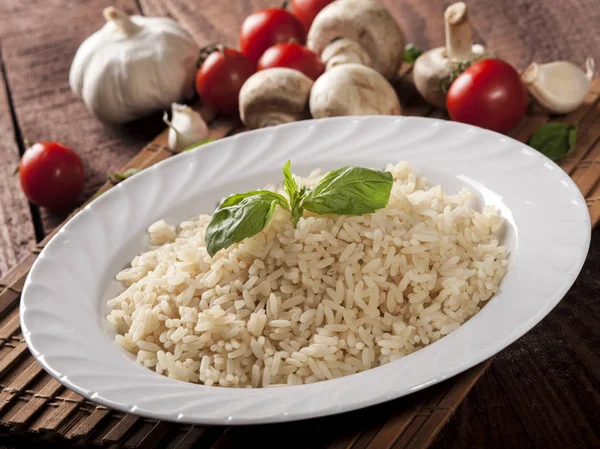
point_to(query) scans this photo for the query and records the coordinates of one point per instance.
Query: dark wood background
(541, 392)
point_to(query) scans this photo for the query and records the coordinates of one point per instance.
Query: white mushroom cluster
(362, 47)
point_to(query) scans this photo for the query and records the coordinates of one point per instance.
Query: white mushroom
(357, 31)
(435, 69)
(353, 89)
(274, 96)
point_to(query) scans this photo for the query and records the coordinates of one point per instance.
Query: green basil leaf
(291, 187)
(241, 216)
(116, 178)
(294, 192)
(196, 145)
(350, 191)
(554, 140)
(411, 53)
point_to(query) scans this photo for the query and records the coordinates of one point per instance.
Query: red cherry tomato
(292, 56)
(268, 27)
(307, 10)
(488, 94)
(52, 175)
(220, 78)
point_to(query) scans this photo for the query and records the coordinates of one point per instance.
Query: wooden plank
(484, 419)
(187, 438)
(37, 403)
(17, 353)
(393, 427)
(139, 433)
(16, 275)
(120, 430)
(416, 23)
(20, 381)
(66, 405)
(549, 31)
(37, 61)
(10, 325)
(87, 426)
(154, 437)
(558, 363)
(16, 228)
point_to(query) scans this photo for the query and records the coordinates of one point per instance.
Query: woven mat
(33, 404)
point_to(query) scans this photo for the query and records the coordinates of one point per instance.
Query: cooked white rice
(333, 296)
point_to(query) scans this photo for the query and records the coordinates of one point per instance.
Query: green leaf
(350, 191)
(196, 145)
(290, 184)
(116, 178)
(456, 70)
(241, 216)
(554, 140)
(411, 53)
(294, 192)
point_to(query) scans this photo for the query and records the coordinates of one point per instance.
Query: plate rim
(325, 411)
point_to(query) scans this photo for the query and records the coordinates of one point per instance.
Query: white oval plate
(63, 302)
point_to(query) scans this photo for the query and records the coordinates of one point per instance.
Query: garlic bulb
(560, 87)
(133, 66)
(186, 127)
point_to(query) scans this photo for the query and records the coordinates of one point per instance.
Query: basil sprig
(554, 140)
(346, 191)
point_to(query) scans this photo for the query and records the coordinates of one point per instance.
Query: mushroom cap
(274, 96)
(429, 71)
(353, 89)
(366, 22)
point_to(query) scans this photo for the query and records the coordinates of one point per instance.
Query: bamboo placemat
(33, 404)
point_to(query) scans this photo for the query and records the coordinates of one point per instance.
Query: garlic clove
(186, 127)
(560, 86)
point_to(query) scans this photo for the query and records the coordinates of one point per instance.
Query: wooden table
(543, 391)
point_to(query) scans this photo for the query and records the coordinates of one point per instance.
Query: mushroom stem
(121, 20)
(459, 35)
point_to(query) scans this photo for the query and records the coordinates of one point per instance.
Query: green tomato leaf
(196, 145)
(411, 53)
(555, 140)
(350, 191)
(241, 216)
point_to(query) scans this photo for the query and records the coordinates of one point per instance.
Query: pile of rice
(329, 297)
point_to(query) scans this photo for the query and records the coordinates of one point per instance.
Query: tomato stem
(28, 143)
(206, 51)
(285, 4)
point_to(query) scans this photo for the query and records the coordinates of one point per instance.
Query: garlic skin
(133, 66)
(186, 127)
(559, 87)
